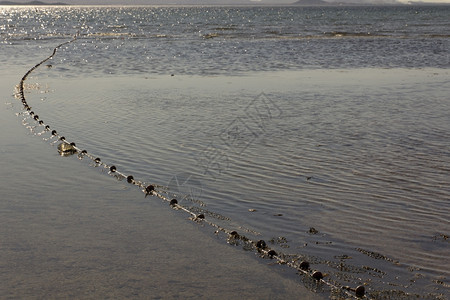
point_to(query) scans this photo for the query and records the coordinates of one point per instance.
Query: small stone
(65, 149)
(312, 230)
(359, 291)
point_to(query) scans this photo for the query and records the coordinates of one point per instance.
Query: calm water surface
(322, 131)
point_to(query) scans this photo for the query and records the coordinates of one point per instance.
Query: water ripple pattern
(346, 174)
(67, 148)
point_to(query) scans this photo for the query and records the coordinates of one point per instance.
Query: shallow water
(68, 231)
(367, 169)
(231, 40)
(347, 168)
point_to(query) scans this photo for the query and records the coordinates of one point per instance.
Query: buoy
(200, 216)
(272, 253)
(359, 291)
(97, 160)
(173, 202)
(130, 179)
(304, 265)
(149, 189)
(54, 132)
(112, 169)
(261, 244)
(317, 275)
(234, 234)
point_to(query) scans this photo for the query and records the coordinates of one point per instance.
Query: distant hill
(30, 3)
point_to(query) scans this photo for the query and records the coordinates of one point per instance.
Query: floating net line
(260, 247)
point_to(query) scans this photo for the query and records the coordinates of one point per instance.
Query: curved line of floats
(150, 189)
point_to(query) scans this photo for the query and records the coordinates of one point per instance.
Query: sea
(321, 132)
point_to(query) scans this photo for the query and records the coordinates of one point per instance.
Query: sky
(106, 2)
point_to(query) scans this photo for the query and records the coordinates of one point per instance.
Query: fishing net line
(313, 278)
